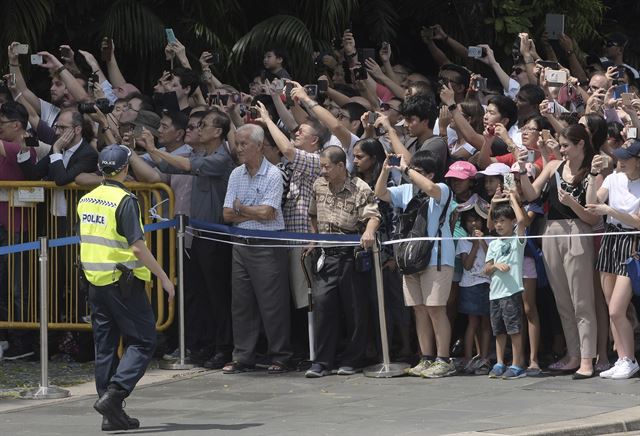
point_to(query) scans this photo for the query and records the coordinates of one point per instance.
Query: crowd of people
(482, 154)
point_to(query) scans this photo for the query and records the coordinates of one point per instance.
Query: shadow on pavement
(172, 426)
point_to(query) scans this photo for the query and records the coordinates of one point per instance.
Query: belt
(255, 241)
(338, 251)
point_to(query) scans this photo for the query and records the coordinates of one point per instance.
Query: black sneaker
(217, 361)
(109, 405)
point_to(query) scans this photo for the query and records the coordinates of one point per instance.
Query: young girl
(473, 297)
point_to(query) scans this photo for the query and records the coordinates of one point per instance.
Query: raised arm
(113, 70)
(423, 183)
(490, 60)
(20, 90)
(282, 142)
(54, 66)
(381, 190)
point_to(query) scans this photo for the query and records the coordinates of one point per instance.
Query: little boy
(504, 260)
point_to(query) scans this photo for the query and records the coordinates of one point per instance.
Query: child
(505, 258)
(474, 293)
(492, 178)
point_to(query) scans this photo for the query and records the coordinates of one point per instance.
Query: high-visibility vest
(101, 246)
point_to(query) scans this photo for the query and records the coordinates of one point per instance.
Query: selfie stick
(182, 363)
(385, 369)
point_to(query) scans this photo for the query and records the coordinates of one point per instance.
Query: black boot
(109, 405)
(107, 426)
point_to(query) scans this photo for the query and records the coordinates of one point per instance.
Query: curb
(620, 421)
(152, 377)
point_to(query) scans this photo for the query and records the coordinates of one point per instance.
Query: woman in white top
(619, 199)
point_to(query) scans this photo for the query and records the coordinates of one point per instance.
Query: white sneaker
(626, 369)
(4, 345)
(609, 372)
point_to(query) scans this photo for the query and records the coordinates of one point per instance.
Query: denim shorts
(474, 300)
(506, 315)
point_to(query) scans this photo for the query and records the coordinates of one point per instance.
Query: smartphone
(213, 99)
(531, 156)
(476, 52)
(360, 73)
(619, 90)
(224, 99)
(555, 77)
(311, 90)
(480, 84)
(431, 32)
(171, 37)
(236, 98)
(546, 134)
(36, 59)
(106, 49)
(508, 182)
(373, 116)
(253, 113)
(366, 53)
(627, 97)
(348, 76)
(554, 25)
(551, 107)
(278, 84)
(21, 49)
(137, 132)
(632, 133)
(31, 141)
(11, 81)
(549, 64)
(337, 43)
(287, 93)
(394, 160)
(619, 72)
(66, 52)
(214, 59)
(323, 86)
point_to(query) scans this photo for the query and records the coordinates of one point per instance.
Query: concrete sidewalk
(203, 402)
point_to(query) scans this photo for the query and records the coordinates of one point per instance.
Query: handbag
(414, 256)
(633, 269)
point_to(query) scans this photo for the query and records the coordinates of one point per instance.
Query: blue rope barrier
(71, 240)
(265, 234)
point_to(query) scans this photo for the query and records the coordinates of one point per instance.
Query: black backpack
(414, 256)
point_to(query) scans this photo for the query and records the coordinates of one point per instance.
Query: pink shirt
(10, 170)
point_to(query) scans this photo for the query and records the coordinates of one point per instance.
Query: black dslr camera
(102, 103)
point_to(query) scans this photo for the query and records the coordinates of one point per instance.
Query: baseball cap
(628, 150)
(532, 171)
(495, 169)
(113, 158)
(149, 120)
(462, 170)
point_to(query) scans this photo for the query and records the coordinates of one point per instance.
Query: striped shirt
(263, 189)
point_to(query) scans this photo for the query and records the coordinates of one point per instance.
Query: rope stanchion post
(312, 340)
(183, 363)
(386, 369)
(44, 391)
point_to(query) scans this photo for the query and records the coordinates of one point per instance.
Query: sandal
(277, 368)
(236, 367)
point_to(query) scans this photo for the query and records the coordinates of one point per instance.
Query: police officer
(116, 263)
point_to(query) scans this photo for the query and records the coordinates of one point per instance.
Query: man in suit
(70, 155)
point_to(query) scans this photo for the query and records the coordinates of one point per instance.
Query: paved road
(259, 404)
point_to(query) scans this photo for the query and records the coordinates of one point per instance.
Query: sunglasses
(387, 106)
(611, 44)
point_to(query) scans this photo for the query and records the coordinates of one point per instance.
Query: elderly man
(345, 205)
(259, 284)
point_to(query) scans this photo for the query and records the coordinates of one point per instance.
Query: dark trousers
(113, 315)
(209, 288)
(340, 289)
(260, 284)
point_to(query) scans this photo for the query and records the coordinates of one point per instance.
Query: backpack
(414, 256)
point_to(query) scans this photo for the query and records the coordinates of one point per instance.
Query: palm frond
(283, 31)
(135, 28)
(327, 18)
(381, 18)
(25, 21)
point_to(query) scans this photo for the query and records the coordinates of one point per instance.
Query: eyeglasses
(387, 106)
(61, 127)
(341, 116)
(192, 127)
(529, 129)
(202, 125)
(611, 44)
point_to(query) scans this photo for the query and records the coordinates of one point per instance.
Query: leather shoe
(107, 426)
(578, 376)
(218, 361)
(109, 405)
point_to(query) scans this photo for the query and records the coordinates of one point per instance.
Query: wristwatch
(452, 107)
(522, 172)
(406, 170)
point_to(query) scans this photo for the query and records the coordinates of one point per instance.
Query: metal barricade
(36, 208)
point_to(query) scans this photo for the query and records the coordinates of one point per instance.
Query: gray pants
(260, 290)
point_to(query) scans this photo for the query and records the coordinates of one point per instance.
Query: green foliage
(24, 20)
(510, 17)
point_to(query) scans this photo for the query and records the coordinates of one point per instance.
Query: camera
(360, 73)
(531, 156)
(311, 90)
(224, 99)
(287, 93)
(21, 49)
(555, 77)
(394, 160)
(632, 133)
(476, 52)
(253, 113)
(213, 99)
(101, 103)
(373, 116)
(36, 59)
(480, 84)
(214, 59)
(366, 53)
